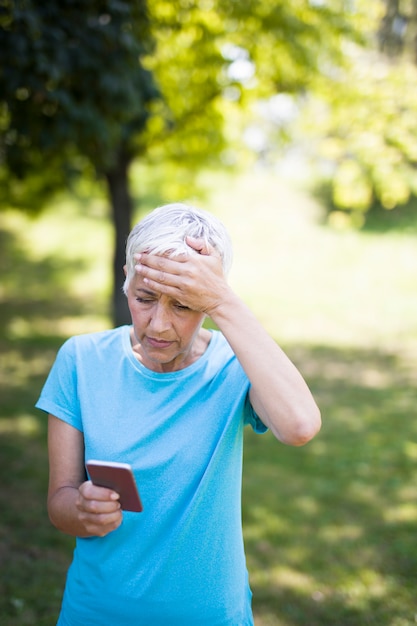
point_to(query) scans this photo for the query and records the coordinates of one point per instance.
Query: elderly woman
(171, 398)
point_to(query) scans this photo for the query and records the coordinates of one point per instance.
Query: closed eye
(144, 300)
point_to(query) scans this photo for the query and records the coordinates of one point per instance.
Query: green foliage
(86, 89)
(214, 58)
(82, 86)
(289, 43)
(370, 135)
(81, 83)
(71, 86)
(363, 124)
(186, 127)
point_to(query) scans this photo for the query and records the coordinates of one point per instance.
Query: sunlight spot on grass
(26, 425)
(292, 579)
(286, 579)
(364, 586)
(374, 376)
(268, 618)
(15, 369)
(410, 449)
(307, 505)
(20, 328)
(406, 512)
(336, 533)
(375, 379)
(407, 492)
(65, 326)
(69, 326)
(264, 523)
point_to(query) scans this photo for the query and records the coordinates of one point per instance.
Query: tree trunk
(121, 205)
(392, 29)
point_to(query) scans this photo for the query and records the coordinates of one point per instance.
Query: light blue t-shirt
(181, 561)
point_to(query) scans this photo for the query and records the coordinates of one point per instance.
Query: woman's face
(166, 334)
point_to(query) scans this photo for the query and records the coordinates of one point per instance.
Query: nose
(160, 319)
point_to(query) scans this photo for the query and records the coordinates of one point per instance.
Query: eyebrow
(148, 292)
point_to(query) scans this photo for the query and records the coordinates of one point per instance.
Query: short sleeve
(252, 419)
(59, 395)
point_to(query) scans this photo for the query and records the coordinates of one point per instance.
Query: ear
(125, 269)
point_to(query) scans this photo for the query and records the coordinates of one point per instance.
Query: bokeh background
(296, 124)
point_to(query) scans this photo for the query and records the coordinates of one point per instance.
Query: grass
(330, 527)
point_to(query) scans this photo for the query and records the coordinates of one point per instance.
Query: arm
(75, 505)
(278, 394)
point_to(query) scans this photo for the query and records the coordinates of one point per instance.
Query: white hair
(164, 232)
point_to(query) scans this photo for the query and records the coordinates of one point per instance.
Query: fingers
(99, 509)
(162, 264)
(173, 265)
(100, 525)
(90, 492)
(200, 245)
(195, 280)
(167, 270)
(164, 274)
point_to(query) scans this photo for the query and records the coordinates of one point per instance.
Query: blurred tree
(364, 123)
(398, 28)
(86, 88)
(74, 95)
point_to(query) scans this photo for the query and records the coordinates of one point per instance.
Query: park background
(316, 183)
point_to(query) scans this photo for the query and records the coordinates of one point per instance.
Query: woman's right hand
(99, 509)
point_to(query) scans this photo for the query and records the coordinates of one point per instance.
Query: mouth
(158, 343)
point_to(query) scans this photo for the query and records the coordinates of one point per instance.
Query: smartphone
(120, 478)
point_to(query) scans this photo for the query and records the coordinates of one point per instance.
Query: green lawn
(329, 528)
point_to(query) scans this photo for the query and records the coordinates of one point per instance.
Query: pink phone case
(120, 478)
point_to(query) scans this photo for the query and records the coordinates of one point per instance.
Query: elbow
(305, 434)
(308, 428)
(304, 427)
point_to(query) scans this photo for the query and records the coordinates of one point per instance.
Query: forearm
(64, 514)
(279, 394)
(89, 511)
(75, 505)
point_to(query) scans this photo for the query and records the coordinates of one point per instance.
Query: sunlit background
(296, 124)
